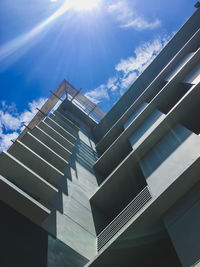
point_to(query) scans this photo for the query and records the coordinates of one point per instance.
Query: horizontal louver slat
(127, 213)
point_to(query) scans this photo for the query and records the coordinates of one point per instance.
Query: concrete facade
(122, 191)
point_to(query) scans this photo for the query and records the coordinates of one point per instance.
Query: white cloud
(131, 67)
(112, 83)
(129, 18)
(128, 69)
(11, 122)
(143, 55)
(27, 115)
(5, 140)
(126, 81)
(141, 24)
(11, 108)
(98, 93)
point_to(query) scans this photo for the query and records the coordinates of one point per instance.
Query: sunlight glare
(12, 47)
(82, 4)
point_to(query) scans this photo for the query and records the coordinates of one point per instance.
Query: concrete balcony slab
(51, 142)
(55, 135)
(22, 202)
(60, 129)
(36, 163)
(26, 179)
(64, 124)
(44, 151)
(65, 119)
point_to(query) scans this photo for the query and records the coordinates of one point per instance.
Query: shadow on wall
(23, 243)
(85, 156)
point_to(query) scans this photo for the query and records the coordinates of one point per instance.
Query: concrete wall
(182, 223)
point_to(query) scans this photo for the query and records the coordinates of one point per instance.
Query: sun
(82, 4)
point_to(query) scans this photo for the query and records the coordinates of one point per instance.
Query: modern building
(81, 188)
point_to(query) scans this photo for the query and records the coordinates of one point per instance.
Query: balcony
(65, 124)
(44, 151)
(135, 114)
(178, 66)
(60, 129)
(123, 217)
(118, 191)
(56, 135)
(194, 76)
(121, 183)
(173, 155)
(165, 101)
(22, 202)
(24, 178)
(66, 120)
(51, 142)
(36, 163)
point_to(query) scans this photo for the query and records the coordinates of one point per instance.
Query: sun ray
(19, 42)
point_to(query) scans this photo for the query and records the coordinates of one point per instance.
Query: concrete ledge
(65, 119)
(64, 124)
(56, 135)
(51, 142)
(22, 202)
(60, 129)
(25, 178)
(35, 162)
(44, 151)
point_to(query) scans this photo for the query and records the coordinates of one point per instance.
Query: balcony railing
(123, 217)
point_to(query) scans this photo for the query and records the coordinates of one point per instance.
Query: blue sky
(102, 50)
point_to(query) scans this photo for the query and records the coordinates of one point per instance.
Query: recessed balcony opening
(163, 149)
(175, 69)
(154, 91)
(116, 194)
(144, 249)
(108, 139)
(171, 97)
(118, 157)
(135, 114)
(147, 126)
(190, 117)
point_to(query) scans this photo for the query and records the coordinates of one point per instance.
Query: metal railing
(123, 217)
